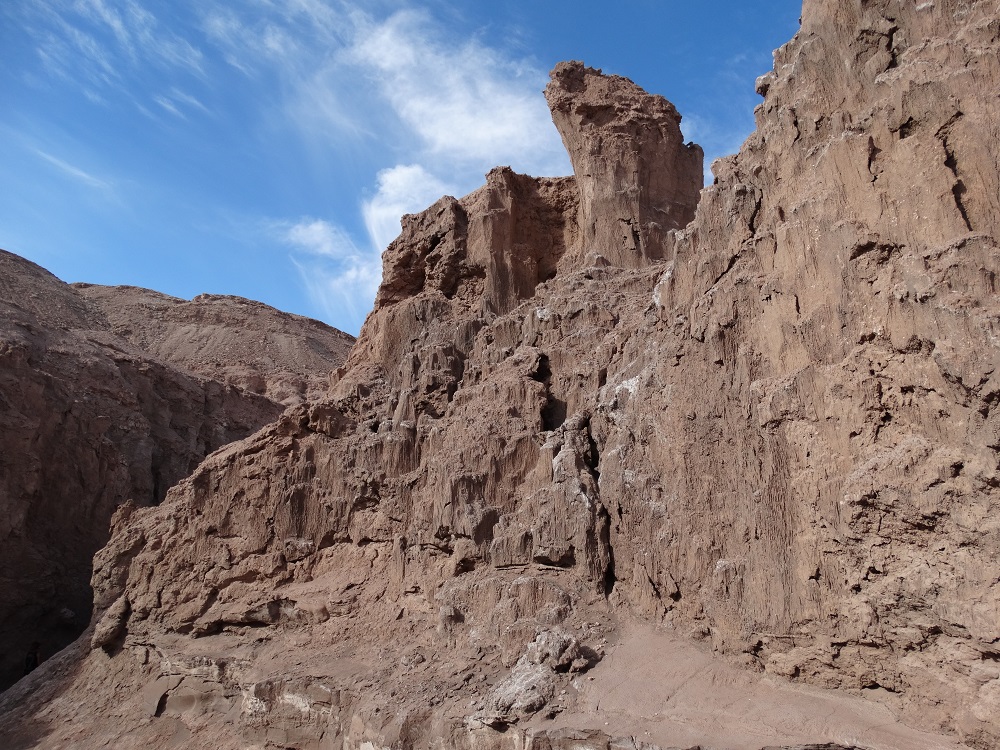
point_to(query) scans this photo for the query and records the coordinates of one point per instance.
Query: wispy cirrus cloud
(74, 172)
(107, 46)
(176, 102)
(340, 278)
(139, 36)
(467, 104)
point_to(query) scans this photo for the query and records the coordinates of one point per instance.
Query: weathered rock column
(637, 178)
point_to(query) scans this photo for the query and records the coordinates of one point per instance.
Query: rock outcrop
(771, 430)
(90, 420)
(635, 176)
(236, 341)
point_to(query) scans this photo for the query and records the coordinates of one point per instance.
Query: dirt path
(670, 692)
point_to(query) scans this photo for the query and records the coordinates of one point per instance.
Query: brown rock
(780, 438)
(636, 178)
(89, 420)
(232, 340)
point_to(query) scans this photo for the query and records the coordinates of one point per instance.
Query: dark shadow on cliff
(20, 705)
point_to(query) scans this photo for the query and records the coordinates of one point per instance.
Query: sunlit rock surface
(565, 462)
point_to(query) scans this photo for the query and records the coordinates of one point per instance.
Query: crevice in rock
(891, 47)
(604, 524)
(157, 482)
(873, 153)
(656, 589)
(958, 189)
(727, 269)
(554, 409)
(592, 456)
(752, 223)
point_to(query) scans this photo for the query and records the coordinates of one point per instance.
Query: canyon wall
(90, 420)
(767, 425)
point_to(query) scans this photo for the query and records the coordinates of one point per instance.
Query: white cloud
(466, 103)
(320, 237)
(75, 172)
(403, 79)
(403, 189)
(340, 279)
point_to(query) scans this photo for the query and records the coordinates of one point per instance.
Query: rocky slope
(236, 341)
(89, 419)
(770, 429)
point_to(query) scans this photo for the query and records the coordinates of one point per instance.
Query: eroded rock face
(232, 340)
(779, 440)
(841, 329)
(88, 420)
(636, 178)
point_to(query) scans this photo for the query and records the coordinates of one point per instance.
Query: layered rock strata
(90, 419)
(779, 439)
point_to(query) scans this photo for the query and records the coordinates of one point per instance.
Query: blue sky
(266, 148)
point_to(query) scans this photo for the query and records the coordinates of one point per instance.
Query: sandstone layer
(772, 430)
(89, 419)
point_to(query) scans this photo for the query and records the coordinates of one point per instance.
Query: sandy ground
(681, 695)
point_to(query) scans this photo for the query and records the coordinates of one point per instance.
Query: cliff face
(771, 429)
(88, 421)
(835, 303)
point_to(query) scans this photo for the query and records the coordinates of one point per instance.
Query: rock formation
(771, 430)
(236, 341)
(90, 420)
(635, 178)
